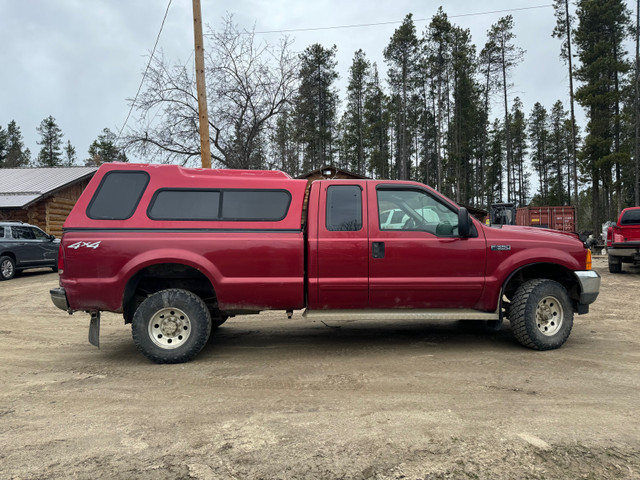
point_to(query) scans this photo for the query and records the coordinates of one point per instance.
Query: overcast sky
(80, 60)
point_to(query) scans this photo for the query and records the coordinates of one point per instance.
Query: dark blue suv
(24, 246)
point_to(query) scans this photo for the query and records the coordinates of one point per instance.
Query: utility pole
(205, 147)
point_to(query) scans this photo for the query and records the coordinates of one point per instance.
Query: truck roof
(194, 172)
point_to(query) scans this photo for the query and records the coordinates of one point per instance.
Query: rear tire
(541, 314)
(171, 326)
(615, 264)
(7, 268)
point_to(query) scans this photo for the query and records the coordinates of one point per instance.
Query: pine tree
(354, 120)
(104, 150)
(518, 136)
(16, 155)
(70, 156)
(599, 38)
(51, 140)
(285, 149)
(557, 154)
(463, 132)
(377, 121)
(539, 141)
(3, 146)
(500, 38)
(495, 161)
(438, 46)
(316, 106)
(564, 32)
(401, 55)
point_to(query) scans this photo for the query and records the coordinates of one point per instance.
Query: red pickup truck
(623, 240)
(177, 251)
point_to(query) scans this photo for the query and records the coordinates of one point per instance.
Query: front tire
(541, 314)
(171, 326)
(7, 268)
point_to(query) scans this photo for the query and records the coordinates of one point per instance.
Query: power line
(145, 72)
(360, 25)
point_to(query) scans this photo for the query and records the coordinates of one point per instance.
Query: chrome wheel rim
(6, 268)
(549, 315)
(169, 328)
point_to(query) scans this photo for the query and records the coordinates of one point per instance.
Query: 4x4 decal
(77, 245)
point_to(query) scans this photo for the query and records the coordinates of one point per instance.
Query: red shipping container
(556, 218)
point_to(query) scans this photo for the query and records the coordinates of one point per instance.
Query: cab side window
(344, 208)
(417, 210)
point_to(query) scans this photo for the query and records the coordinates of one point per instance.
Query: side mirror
(52, 238)
(464, 223)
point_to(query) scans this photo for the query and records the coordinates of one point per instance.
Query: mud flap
(94, 329)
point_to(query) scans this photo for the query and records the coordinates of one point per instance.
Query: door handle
(377, 249)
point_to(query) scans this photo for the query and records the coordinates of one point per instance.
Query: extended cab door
(421, 262)
(341, 247)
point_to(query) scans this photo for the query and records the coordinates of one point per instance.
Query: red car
(178, 251)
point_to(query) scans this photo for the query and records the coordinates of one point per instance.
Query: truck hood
(537, 233)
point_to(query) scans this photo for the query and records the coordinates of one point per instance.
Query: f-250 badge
(500, 248)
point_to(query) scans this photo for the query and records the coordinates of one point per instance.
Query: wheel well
(558, 273)
(161, 276)
(10, 255)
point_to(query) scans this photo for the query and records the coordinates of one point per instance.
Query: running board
(401, 314)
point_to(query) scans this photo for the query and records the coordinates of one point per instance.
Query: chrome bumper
(59, 298)
(589, 286)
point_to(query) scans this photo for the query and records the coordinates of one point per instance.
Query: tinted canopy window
(222, 205)
(118, 195)
(185, 205)
(344, 208)
(261, 205)
(631, 217)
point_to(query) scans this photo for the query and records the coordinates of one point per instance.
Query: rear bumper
(589, 286)
(59, 298)
(633, 252)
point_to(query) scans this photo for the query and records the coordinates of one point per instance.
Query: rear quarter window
(118, 195)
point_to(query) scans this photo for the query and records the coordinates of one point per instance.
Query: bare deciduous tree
(248, 83)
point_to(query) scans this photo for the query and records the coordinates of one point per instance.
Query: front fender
(505, 266)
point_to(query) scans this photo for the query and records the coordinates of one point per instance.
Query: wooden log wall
(50, 213)
(58, 207)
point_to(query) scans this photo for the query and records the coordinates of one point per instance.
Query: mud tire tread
(200, 325)
(522, 314)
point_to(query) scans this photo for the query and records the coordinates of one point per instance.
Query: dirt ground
(276, 398)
